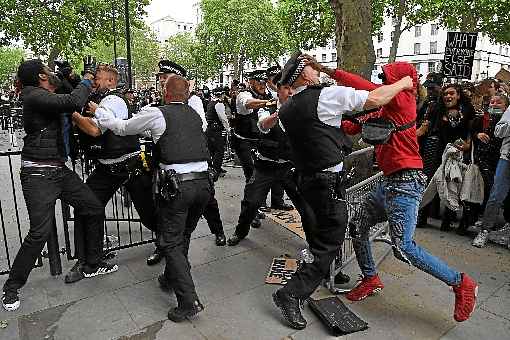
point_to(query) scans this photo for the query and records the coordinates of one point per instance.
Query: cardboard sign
(459, 55)
(503, 75)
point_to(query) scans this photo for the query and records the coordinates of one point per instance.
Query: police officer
(217, 125)
(45, 177)
(118, 163)
(212, 211)
(184, 186)
(312, 121)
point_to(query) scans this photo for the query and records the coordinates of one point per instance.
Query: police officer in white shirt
(312, 120)
(184, 186)
(212, 211)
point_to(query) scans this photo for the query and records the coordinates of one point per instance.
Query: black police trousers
(104, 184)
(41, 188)
(177, 219)
(326, 237)
(243, 150)
(265, 176)
(216, 146)
(212, 216)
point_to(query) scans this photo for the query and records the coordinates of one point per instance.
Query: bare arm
(256, 103)
(384, 94)
(86, 124)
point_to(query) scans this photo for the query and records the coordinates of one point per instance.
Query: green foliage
(486, 16)
(236, 31)
(186, 50)
(10, 58)
(415, 12)
(50, 27)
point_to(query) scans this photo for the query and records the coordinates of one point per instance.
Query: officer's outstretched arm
(384, 94)
(86, 124)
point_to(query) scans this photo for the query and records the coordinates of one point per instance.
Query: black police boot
(256, 223)
(234, 240)
(283, 206)
(221, 240)
(155, 258)
(342, 278)
(179, 314)
(291, 309)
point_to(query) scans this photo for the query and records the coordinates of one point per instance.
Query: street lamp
(114, 24)
(488, 62)
(128, 44)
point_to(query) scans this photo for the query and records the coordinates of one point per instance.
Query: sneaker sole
(113, 270)
(11, 307)
(374, 292)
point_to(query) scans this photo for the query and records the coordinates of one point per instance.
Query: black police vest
(275, 144)
(183, 140)
(109, 145)
(316, 146)
(211, 115)
(246, 125)
(44, 140)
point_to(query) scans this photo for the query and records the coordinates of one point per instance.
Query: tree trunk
(397, 29)
(54, 53)
(354, 35)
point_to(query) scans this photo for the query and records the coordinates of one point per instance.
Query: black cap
(167, 66)
(259, 75)
(292, 69)
(272, 71)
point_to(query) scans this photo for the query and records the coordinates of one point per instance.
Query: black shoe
(284, 207)
(102, 268)
(76, 273)
(291, 309)
(261, 215)
(342, 278)
(155, 258)
(264, 209)
(234, 240)
(10, 301)
(256, 223)
(221, 240)
(446, 225)
(179, 314)
(163, 283)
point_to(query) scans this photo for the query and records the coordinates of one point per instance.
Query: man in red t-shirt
(399, 195)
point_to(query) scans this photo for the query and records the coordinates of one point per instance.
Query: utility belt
(215, 126)
(167, 183)
(336, 182)
(134, 166)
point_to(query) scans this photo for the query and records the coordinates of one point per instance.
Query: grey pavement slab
(483, 325)
(499, 303)
(164, 330)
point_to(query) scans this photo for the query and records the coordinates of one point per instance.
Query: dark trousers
(178, 218)
(325, 240)
(41, 188)
(212, 216)
(243, 150)
(265, 176)
(104, 184)
(216, 146)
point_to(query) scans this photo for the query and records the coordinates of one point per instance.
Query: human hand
(92, 108)
(483, 137)
(407, 83)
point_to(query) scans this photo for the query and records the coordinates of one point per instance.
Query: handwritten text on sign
(459, 55)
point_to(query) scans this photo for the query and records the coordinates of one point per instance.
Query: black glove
(89, 65)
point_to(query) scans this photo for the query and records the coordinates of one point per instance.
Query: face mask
(495, 111)
(54, 80)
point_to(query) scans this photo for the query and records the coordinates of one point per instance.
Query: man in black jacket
(45, 178)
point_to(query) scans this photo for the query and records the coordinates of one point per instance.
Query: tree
(186, 50)
(415, 12)
(10, 58)
(240, 31)
(145, 50)
(49, 28)
(485, 16)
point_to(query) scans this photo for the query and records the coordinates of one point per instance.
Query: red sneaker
(465, 298)
(369, 285)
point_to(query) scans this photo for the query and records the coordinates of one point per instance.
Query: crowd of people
(290, 133)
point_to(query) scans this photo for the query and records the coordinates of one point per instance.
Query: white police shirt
(151, 119)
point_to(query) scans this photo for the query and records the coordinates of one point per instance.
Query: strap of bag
(406, 126)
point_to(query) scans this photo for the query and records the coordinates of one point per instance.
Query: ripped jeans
(398, 202)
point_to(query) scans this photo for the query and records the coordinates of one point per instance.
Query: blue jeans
(399, 203)
(499, 191)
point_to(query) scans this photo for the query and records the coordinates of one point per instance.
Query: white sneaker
(481, 239)
(501, 236)
(10, 301)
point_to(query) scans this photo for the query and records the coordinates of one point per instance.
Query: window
(314, 56)
(380, 37)
(434, 28)
(379, 52)
(432, 67)
(417, 48)
(433, 47)
(324, 57)
(500, 49)
(392, 35)
(506, 51)
(184, 27)
(417, 31)
(179, 27)
(417, 67)
(333, 57)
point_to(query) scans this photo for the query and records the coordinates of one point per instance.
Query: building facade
(167, 27)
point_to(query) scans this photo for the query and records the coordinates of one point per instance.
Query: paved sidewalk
(128, 305)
